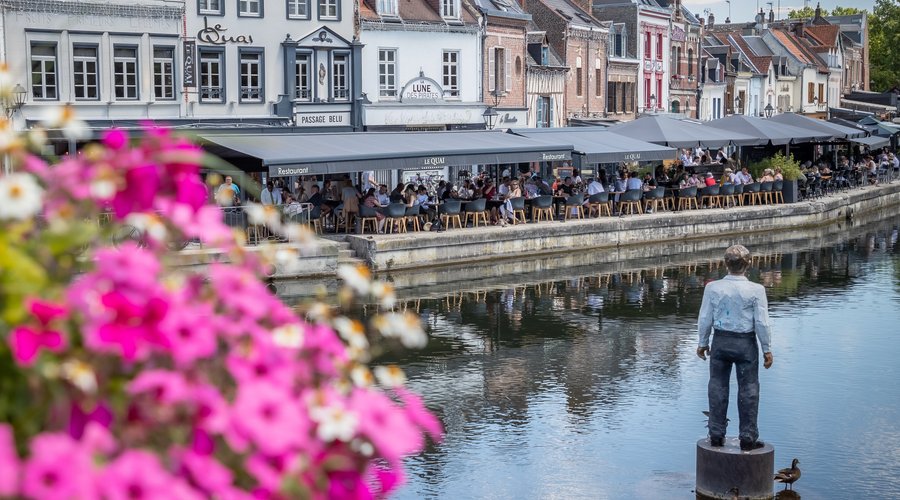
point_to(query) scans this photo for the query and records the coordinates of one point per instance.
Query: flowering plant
(123, 375)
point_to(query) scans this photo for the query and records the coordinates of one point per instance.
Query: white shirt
(503, 189)
(383, 199)
(742, 178)
(735, 304)
(266, 197)
(369, 180)
(595, 188)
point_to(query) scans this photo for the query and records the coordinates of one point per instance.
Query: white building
(421, 65)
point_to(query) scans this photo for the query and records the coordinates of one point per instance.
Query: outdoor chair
(739, 194)
(778, 192)
(600, 203)
(631, 200)
(349, 217)
(653, 199)
(765, 193)
(710, 197)
(395, 215)
(574, 203)
(449, 213)
(687, 198)
(670, 201)
(542, 208)
(367, 215)
(751, 194)
(518, 209)
(414, 216)
(726, 195)
(475, 211)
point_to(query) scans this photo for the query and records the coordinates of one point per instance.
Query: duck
(790, 475)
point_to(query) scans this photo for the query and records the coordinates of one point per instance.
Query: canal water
(581, 381)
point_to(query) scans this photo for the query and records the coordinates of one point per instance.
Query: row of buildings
(419, 64)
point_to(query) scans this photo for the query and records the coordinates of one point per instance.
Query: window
(387, 7)
(544, 112)
(449, 9)
(659, 46)
(298, 9)
(498, 70)
(210, 7)
(43, 71)
(821, 93)
(340, 89)
(387, 72)
(545, 56)
(659, 92)
(647, 91)
(611, 97)
(212, 85)
(579, 77)
(598, 82)
(163, 73)
(84, 65)
(125, 73)
(690, 61)
(450, 73)
(302, 86)
(328, 9)
(618, 41)
(810, 92)
(250, 8)
(648, 43)
(251, 76)
(629, 97)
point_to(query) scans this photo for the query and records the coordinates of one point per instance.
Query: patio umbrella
(878, 127)
(836, 131)
(767, 131)
(680, 133)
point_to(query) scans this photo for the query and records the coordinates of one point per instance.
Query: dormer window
(387, 7)
(450, 9)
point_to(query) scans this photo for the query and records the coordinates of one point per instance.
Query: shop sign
(422, 89)
(277, 171)
(214, 35)
(554, 156)
(631, 157)
(435, 160)
(323, 119)
(189, 68)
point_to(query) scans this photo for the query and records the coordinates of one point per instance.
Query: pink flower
(419, 415)
(140, 190)
(135, 475)
(58, 468)
(190, 332)
(132, 326)
(386, 426)
(9, 463)
(115, 138)
(165, 387)
(26, 342)
(79, 420)
(270, 417)
(206, 472)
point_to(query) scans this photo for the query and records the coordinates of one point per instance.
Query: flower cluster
(130, 377)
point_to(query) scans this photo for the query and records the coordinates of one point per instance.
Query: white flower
(299, 233)
(63, 118)
(356, 277)
(334, 423)
(352, 331)
(364, 447)
(390, 376)
(403, 326)
(148, 224)
(20, 196)
(384, 294)
(9, 138)
(81, 375)
(264, 215)
(361, 376)
(289, 336)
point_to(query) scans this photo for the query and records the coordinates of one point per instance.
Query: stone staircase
(346, 255)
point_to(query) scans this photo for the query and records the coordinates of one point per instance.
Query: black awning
(303, 154)
(598, 145)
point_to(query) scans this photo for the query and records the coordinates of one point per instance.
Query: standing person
(269, 196)
(228, 193)
(736, 311)
(368, 181)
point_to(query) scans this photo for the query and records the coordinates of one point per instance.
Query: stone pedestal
(727, 472)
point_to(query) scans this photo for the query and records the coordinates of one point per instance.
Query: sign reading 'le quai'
(422, 89)
(215, 36)
(190, 68)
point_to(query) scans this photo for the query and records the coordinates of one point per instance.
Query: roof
(824, 35)
(758, 45)
(759, 63)
(302, 154)
(798, 48)
(511, 9)
(573, 14)
(598, 145)
(414, 10)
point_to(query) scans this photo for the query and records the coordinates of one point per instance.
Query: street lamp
(769, 110)
(490, 114)
(14, 102)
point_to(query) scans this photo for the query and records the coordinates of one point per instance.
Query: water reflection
(586, 385)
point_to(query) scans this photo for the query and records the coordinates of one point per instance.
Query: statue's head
(737, 259)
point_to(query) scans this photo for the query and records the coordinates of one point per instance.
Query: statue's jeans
(740, 350)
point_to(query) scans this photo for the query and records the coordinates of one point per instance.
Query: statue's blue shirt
(735, 304)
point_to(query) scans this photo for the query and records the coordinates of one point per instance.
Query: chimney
(727, 20)
(818, 11)
(712, 19)
(798, 29)
(771, 15)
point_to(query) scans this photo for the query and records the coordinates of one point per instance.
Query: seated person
(633, 182)
(709, 180)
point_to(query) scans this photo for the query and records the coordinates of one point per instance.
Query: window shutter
(508, 83)
(491, 68)
(550, 119)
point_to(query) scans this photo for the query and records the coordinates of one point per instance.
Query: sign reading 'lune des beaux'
(422, 89)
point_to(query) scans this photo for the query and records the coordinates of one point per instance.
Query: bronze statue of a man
(736, 311)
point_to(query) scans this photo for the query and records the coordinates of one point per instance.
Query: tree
(805, 12)
(847, 11)
(884, 44)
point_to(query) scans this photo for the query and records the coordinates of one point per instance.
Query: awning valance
(769, 131)
(308, 154)
(836, 131)
(873, 142)
(597, 145)
(680, 133)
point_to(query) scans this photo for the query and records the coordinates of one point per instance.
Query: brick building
(545, 82)
(581, 42)
(685, 56)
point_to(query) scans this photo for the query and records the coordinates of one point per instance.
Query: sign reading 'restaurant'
(422, 89)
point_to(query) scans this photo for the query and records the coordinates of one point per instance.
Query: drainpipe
(482, 30)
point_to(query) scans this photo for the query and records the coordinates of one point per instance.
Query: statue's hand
(767, 360)
(701, 352)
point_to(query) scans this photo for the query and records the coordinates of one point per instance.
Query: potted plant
(790, 169)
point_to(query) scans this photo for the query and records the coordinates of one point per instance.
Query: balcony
(302, 94)
(211, 93)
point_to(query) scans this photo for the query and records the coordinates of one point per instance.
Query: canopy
(302, 154)
(598, 145)
(873, 142)
(836, 131)
(679, 133)
(880, 128)
(768, 131)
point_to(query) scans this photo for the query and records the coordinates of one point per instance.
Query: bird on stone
(790, 475)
